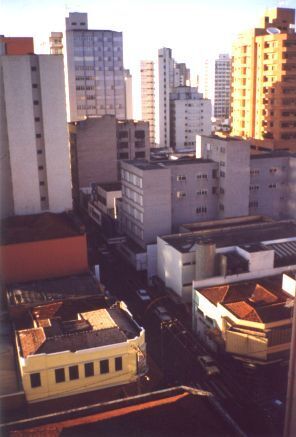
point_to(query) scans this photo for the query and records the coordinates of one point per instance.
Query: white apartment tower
(222, 87)
(95, 70)
(148, 97)
(190, 115)
(171, 75)
(128, 84)
(35, 162)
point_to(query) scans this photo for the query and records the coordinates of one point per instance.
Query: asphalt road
(248, 395)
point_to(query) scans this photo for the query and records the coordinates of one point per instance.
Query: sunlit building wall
(263, 103)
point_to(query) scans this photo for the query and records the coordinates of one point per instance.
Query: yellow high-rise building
(263, 100)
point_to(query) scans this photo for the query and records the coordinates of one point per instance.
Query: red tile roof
(31, 340)
(242, 310)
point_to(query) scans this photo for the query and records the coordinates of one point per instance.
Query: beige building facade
(148, 97)
(263, 104)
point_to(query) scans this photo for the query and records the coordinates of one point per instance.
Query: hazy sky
(194, 29)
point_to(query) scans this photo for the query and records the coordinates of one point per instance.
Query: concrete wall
(44, 259)
(21, 133)
(291, 201)
(55, 132)
(198, 189)
(271, 176)
(96, 151)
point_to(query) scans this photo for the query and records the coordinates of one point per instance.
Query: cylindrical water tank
(205, 259)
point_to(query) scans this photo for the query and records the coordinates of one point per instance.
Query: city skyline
(201, 23)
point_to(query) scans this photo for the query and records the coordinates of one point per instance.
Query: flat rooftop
(225, 223)
(74, 325)
(148, 165)
(236, 236)
(49, 290)
(174, 412)
(111, 186)
(274, 154)
(38, 227)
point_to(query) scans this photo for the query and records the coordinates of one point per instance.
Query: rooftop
(225, 223)
(146, 165)
(261, 302)
(49, 290)
(239, 235)
(172, 412)
(274, 154)
(111, 186)
(38, 227)
(75, 325)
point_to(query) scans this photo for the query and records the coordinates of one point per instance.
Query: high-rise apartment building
(128, 84)
(148, 97)
(190, 114)
(222, 87)
(56, 43)
(171, 75)
(95, 70)
(263, 81)
(35, 163)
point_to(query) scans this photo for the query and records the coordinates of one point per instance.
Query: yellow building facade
(263, 96)
(99, 349)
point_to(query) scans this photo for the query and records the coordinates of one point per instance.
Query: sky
(194, 29)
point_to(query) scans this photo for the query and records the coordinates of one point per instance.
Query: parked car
(143, 295)
(162, 314)
(208, 365)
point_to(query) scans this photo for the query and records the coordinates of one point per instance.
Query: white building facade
(190, 115)
(33, 133)
(95, 70)
(170, 74)
(222, 87)
(148, 97)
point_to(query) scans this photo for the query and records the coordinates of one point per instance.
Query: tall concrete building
(99, 143)
(222, 87)
(148, 97)
(171, 75)
(128, 85)
(95, 70)
(35, 162)
(263, 103)
(56, 43)
(190, 114)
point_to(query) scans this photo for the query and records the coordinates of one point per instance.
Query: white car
(208, 365)
(143, 295)
(162, 314)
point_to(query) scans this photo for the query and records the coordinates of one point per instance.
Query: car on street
(162, 314)
(208, 365)
(143, 295)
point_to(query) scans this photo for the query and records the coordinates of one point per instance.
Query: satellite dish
(273, 30)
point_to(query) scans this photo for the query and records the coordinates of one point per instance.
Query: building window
(181, 178)
(39, 152)
(273, 170)
(41, 183)
(34, 85)
(60, 375)
(104, 366)
(272, 186)
(38, 135)
(33, 69)
(73, 372)
(202, 192)
(40, 167)
(253, 204)
(43, 199)
(36, 102)
(37, 118)
(89, 369)
(118, 364)
(180, 194)
(35, 380)
(201, 210)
